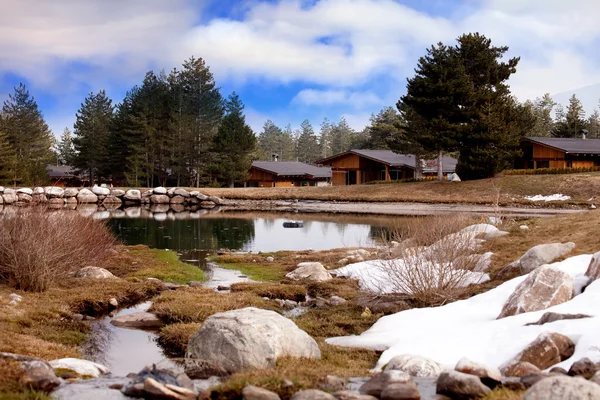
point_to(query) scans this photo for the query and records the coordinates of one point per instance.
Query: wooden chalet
(64, 176)
(361, 166)
(287, 174)
(542, 152)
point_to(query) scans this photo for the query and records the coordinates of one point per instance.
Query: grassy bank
(506, 190)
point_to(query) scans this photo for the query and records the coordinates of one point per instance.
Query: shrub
(550, 171)
(38, 247)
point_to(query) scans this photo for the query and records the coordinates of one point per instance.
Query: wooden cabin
(64, 176)
(287, 174)
(360, 166)
(545, 152)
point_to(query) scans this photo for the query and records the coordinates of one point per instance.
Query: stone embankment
(56, 197)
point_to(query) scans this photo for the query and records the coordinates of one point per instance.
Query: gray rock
(69, 192)
(593, 271)
(112, 201)
(562, 388)
(95, 273)
(202, 369)
(336, 300)
(332, 383)
(181, 192)
(133, 195)
(24, 197)
(312, 394)
(414, 365)
(250, 338)
(348, 395)
(495, 234)
(457, 385)
(96, 389)
(177, 200)
(10, 191)
(401, 391)
(86, 196)
(38, 375)
(584, 367)
(159, 199)
(490, 376)
(56, 202)
(138, 320)
(377, 383)
(312, 271)
(9, 198)
(117, 192)
(159, 190)
(596, 378)
(81, 367)
(537, 256)
(528, 380)
(215, 200)
(100, 191)
(545, 351)
(550, 317)
(255, 393)
(27, 191)
(545, 287)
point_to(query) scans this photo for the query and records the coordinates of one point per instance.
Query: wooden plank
(338, 178)
(544, 152)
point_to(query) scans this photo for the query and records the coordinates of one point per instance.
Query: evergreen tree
(233, 145)
(28, 135)
(542, 111)
(308, 144)
(325, 138)
(342, 137)
(8, 161)
(593, 125)
(65, 148)
(570, 123)
(383, 128)
(274, 140)
(92, 129)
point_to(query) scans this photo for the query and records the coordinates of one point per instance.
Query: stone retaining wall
(57, 197)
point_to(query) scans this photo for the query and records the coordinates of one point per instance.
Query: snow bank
(469, 328)
(552, 197)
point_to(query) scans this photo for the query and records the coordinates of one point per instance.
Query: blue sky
(289, 60)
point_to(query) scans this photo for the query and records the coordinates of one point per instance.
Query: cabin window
(543, 164)
(395, 174)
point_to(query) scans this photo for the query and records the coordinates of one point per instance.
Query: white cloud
(313, 97)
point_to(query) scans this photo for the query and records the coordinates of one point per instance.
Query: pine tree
(342, 137)
(8, 161)
(384, 126)
(270, 141)
(325, 138)
(542, 111)
(233, 145)
(29, 136)
(92, 129)
(308, 144)
(65, 148)
(569, 123)
(593, 125)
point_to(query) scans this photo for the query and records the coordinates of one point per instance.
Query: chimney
(275, 157)
(584, 133)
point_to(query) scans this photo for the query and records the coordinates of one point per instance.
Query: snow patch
(552, 197)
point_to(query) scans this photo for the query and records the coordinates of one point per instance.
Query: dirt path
(389, 208)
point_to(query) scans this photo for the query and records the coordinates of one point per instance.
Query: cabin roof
(569, 145)
(292, 168)
(392, 159)
(61, 171)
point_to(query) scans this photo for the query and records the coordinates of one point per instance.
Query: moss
(272, 290)
(164, 265)
(175, 337)
(257, 272)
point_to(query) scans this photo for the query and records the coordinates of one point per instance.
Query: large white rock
(39, 190)
(545, 287)
(94, 272)
(10, 191)
(133, 195)
(484, 372)
(28, 191)
(159, 199)
(117, 192)
(181, 192)
(100, 191)
(159, 190)
(70, 192)
(312, 271)
(86, 196)
(414, 365)
(249, 338)
(544, 254)
(81, 367)
(562, 388)
(9, 198)
(54, 191)
(593, 271)
(1, 189)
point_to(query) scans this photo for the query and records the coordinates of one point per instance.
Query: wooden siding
(260, 175)
(349, 161)
(544, 152)
(583, 164)
(338, 178)
(558, 164)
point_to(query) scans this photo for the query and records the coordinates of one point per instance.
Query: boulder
(545, 287)
(312, 394)
(348, 395)
(255, 393)
(596, 378)
(133, 195)
(495, 235)
(69, 192)
(593, 271)
(457, 385)
(112, 201)
(159, 190)
(39, 198)
(520, 369)
(332, 383)
(202, 197)
(401, 391)
(9, 198)
(250, 338)
(312, 271)
(117, 192)
(100, 191)
(157, 390)
(537, 256)
(584, 367)
(545, 351)
(159, 199)
(24, 197)
(550, 317)
(215, 200)
(181, 192)
(27, 191)
(379, 382)
(1, 189)
(177, 200)
(202, 369)
(56, 202)
(86, 196)
(39, 190)
(138, 320)
(489, 376)
(528, 380)
(38, 375)
(561, 388)
(95, 273)
(96, 389)
(10, 191)
(81, 367)
(414, 365)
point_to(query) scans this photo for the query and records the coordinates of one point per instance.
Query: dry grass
(272, 290)
(512, 189)
(175, 337)
(342, 320)
(504, 394)
(39, 248)
(345, 288)
(196, 304)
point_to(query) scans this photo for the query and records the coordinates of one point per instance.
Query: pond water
(252, 231)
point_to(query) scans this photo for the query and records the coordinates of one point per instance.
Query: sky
(289, 60)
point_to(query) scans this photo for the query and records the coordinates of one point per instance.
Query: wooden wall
(543, 152)
(558, 164)
(260, 175)
(583, 164)
(338, 178)
(349, 161)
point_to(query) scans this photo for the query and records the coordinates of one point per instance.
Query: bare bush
(38, 247)
(433, 261)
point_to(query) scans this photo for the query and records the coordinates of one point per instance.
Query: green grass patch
(167, 267)
(258, 272)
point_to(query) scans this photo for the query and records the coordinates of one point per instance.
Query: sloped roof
(569, 145)
(60, 171)
(392, 159)
(292, 168)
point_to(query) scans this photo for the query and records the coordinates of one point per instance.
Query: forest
(178, 129)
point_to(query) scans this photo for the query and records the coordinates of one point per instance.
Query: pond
(251, 231)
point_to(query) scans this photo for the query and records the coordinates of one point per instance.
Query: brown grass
(345, 288)
(512, 189)
(175, 337)
(272, 290)
(504, 394)
(196, 304)
(39, 248)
